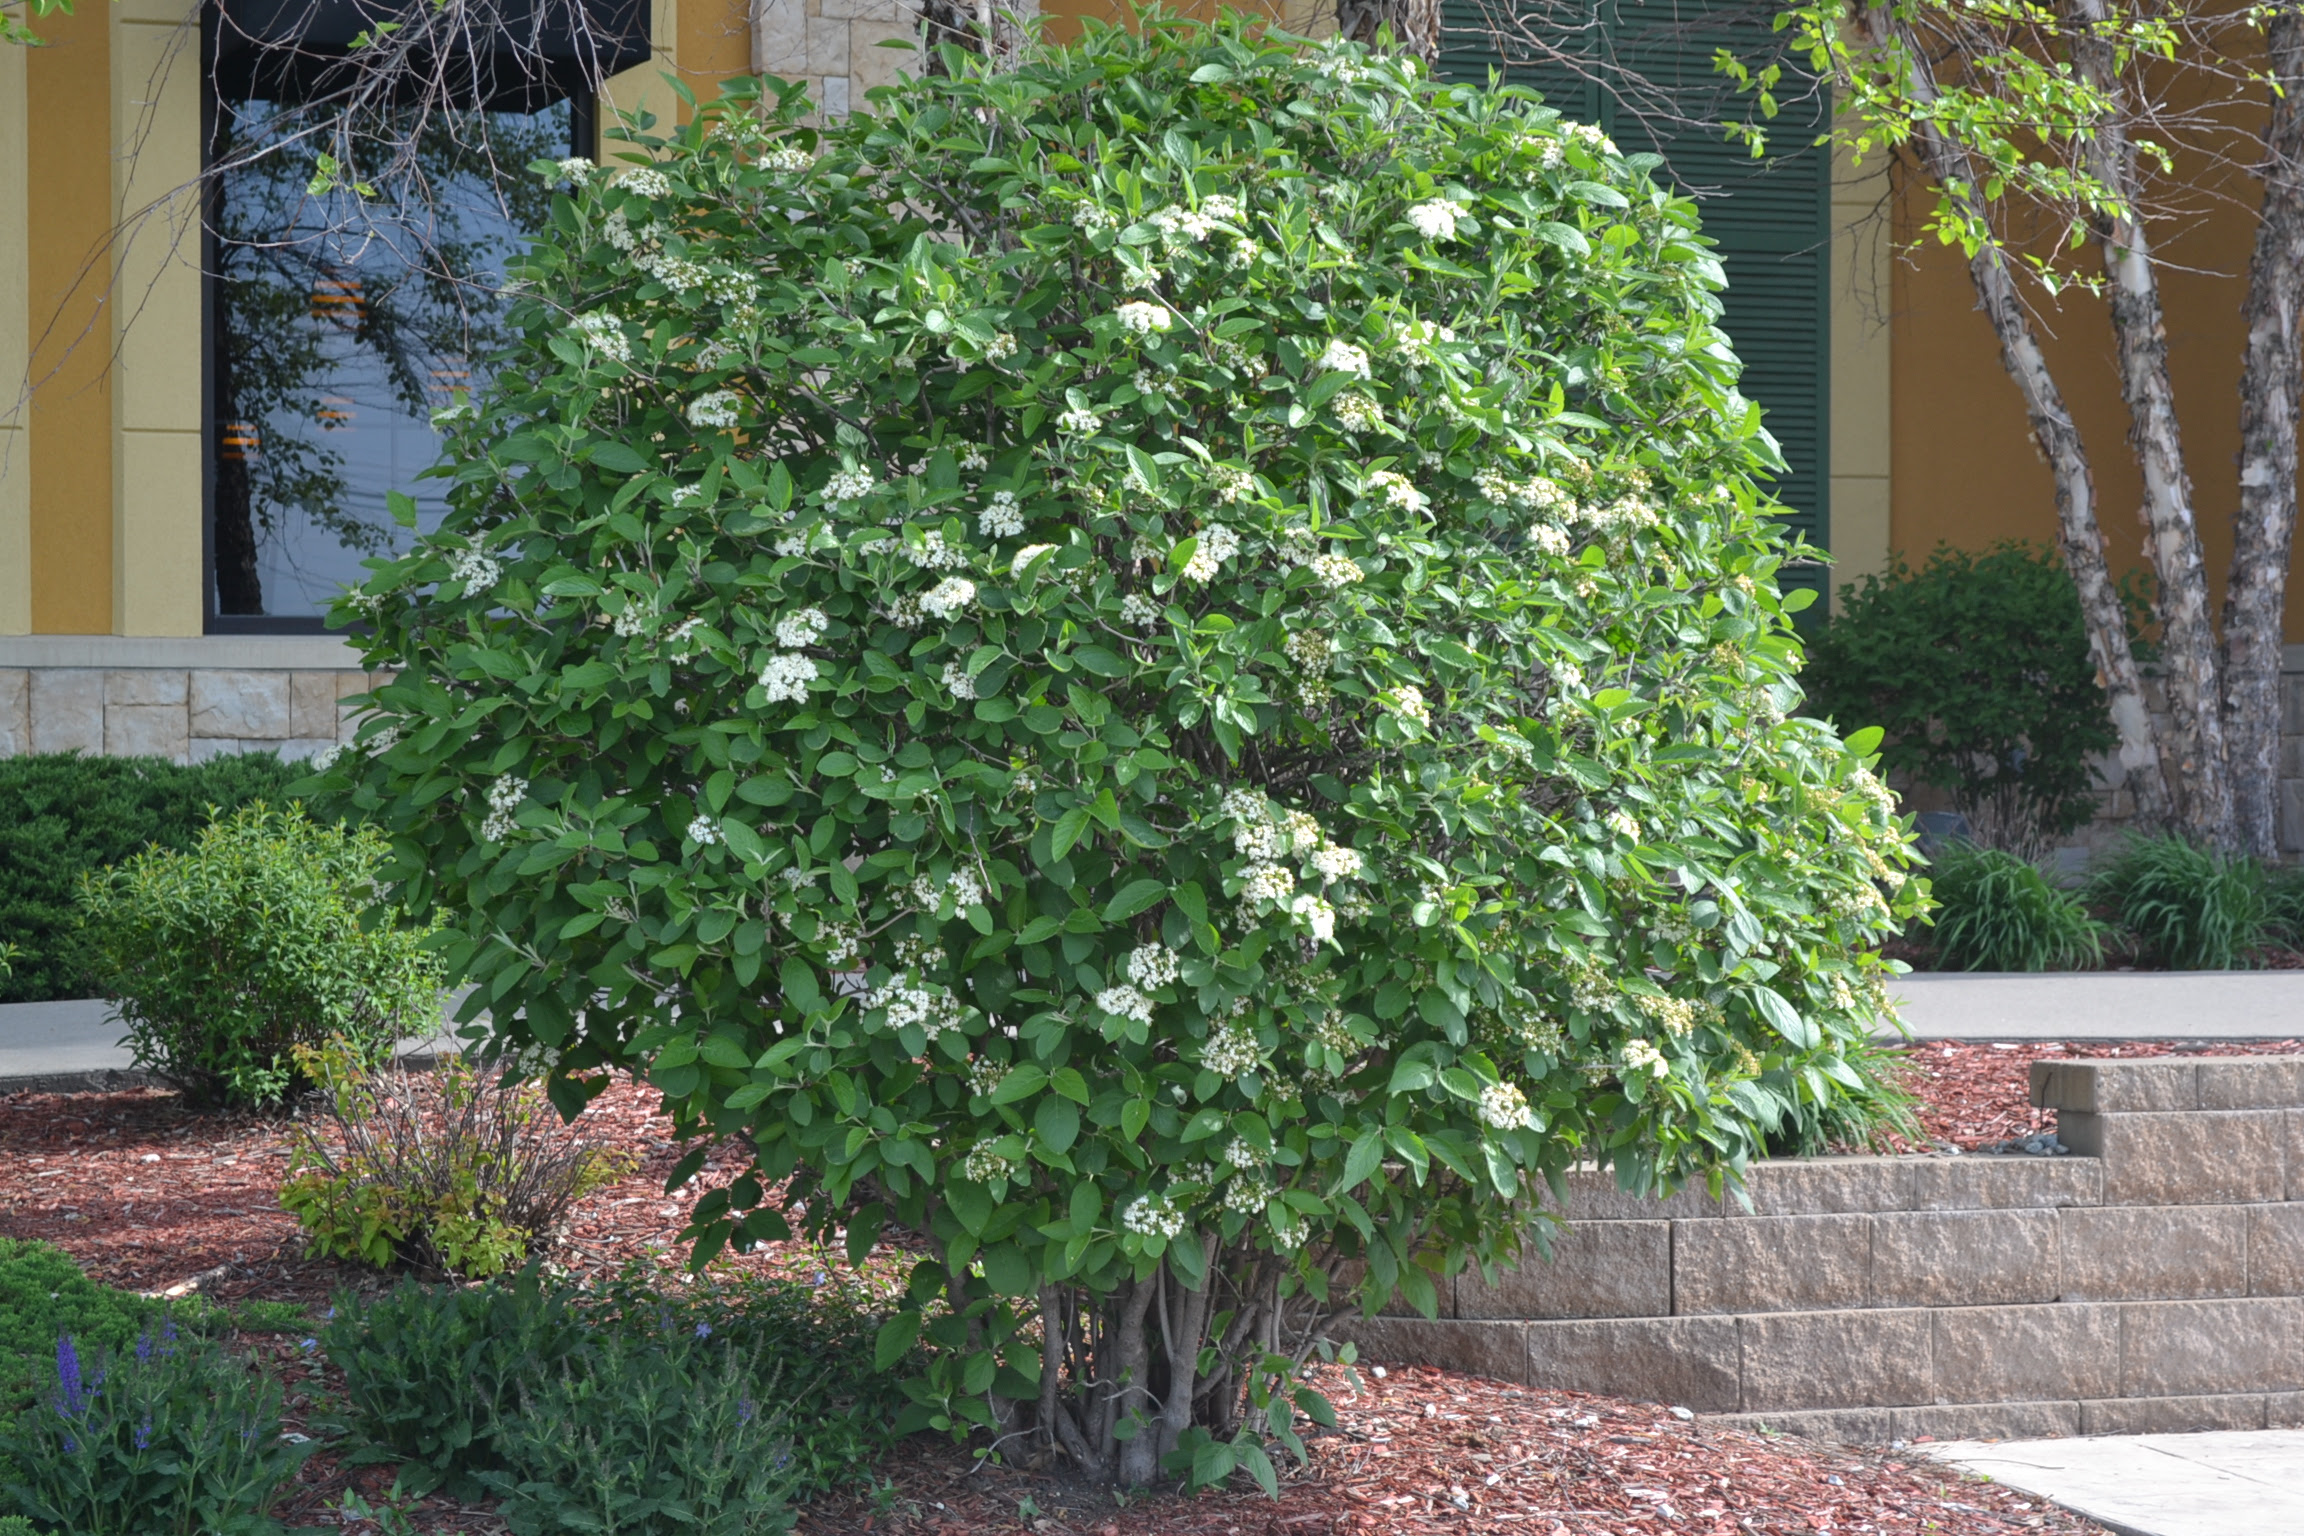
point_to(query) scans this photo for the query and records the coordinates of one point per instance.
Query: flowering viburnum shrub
(1162, 670)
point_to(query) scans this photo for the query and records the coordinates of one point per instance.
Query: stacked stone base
(2156, 1284)
(184, 700)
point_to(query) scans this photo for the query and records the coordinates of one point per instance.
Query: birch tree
(2063, 144)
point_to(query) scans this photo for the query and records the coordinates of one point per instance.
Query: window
(338, 321)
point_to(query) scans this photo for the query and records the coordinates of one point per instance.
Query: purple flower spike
(71, 1396)
(703, 1330)
(144, 1434)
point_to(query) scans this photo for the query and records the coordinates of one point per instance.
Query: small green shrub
(2196, 909)
(435, 1375)
(63, 816)
(453, 1171)
(43, 1296)
(227, 956)
(1977, 666)
(662, 1433)
(16, 1525)
(1996, 912)
(174, 1437)
(431, 1373)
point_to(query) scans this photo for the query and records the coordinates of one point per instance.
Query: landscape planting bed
(147, 1195)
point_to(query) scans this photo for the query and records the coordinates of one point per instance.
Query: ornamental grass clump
(1997, 912)
(1163, 671)
(2192, 908)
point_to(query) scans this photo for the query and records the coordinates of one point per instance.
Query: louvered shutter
(1771, 217)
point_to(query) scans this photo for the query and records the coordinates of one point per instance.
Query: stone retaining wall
(185, 700)
(2152, 1282)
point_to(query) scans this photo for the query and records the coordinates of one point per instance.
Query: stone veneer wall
(185, 700)
(2154, 1282)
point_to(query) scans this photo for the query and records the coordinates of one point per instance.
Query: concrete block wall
(184, 700)
(2154, 1282)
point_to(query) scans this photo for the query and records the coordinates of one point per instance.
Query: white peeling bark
(2200, 768)
(2271, 388)
(2079, 529)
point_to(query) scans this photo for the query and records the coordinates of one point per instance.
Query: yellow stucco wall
(1862, 371)
(15, 452)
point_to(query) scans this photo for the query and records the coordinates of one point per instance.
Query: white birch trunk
(2271, 387)
(2201, 771)
(2079, 530)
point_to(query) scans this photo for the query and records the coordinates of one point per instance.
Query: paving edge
(123, 1079)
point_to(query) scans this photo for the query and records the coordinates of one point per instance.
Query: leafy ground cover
(1414, 1450)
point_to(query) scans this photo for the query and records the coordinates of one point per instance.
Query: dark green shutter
(1772, 217)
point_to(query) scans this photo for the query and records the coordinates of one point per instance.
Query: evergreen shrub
(64, 816)
(226, 957)
(1977, 667)
(1164, 670)
(44, 1296)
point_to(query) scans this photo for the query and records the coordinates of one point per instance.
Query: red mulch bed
(1973, 1093)
(148, 1195)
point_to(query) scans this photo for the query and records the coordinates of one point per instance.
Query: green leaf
(1134, 897)
(1367, 1152)
(895, 1340)
(1782, 1017)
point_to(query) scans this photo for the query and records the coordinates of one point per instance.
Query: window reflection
(340, 322)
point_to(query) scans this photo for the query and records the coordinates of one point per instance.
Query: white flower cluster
(1152, 966)
(504, 797)
(1435, 220)
(1139, 318)
(1624, 824)
(961, 885)
(948, 597)
(1548, 539)
(1641, 1056)
(713, 408)
(1336, 863)
(1505, 1107)
(1125, 1003)
(1590, 136)
(643, 182)
(636, 619)
(1029, 556)
(957, 680)
(1310, 649)
(1002, 519)
(1674, 1015)
(843, 945)
(848, 485)
(1088, 218)
(1417, 338)
(1357, 412)
(1231, 1050)
(1317, 916)
(1180, 226)
(1232, 483)
(786, 677)
(801, 628)
(575, 170)
(932, 1010)
(1139, 610)
(985, 1075)
(983, 1164)
(1343, 357)
(797, 878)
(1080, 421)
(704, 831)
(1266, 882)
(1408, 703)
(476, 570)
(786, 158)
(603, 333)
(1246, 1196)
(1153, 1216)
(1397, 491)
(932, 553)
(1216, 545)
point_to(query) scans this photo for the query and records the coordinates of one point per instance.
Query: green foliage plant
(641, 1435)
(1998, 912)
(1161, 669)
(1863, 1103)
(174, 1436)
(44, 1296)
(226, 957)
(64, 816)
(2194, 908)
(431, 1372)
(1977, 667)
(458, 1170)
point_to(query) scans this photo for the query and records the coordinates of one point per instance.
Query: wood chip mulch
(1973, 1093)
(148, 1195)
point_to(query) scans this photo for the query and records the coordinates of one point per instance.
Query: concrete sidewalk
(2234, 1483)
(75, 1047)
(2103, 1005)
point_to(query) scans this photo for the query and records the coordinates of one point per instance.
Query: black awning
(514, 55)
